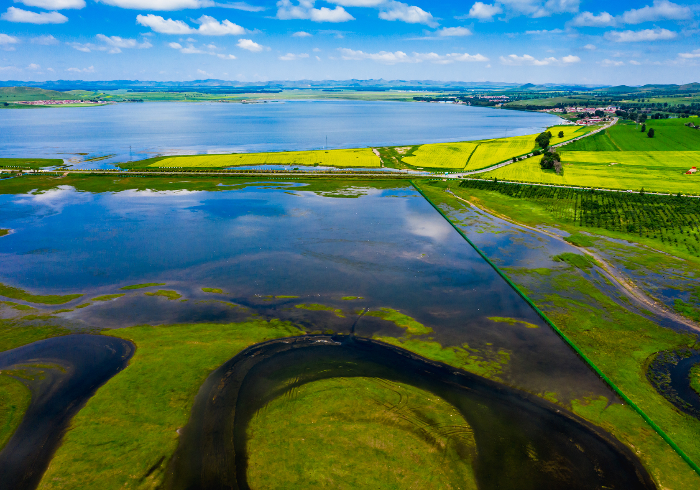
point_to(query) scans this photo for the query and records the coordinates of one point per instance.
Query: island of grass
(361, 157)
(213, 290)
(165, 293)
(144, 285)
(694, 376)
(351, 298)
(108, 297)
(411, 326)
(512, 321)
(400, 437)
(50, 299)
(318, 307)
(4, 231)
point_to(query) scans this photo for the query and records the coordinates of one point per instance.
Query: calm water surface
(388, 246)
(137, 131)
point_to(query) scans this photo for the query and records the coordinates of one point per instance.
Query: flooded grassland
(194, 272)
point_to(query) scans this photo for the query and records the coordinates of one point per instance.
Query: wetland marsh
(193, 277)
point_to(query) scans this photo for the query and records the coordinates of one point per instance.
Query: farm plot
(656, 178)
(681, 160)
(495, 151)
(361, 157)
(441, 155)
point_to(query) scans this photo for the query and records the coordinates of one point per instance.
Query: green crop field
(677, 160)
(360, 157)
(602, 175)
(669, 135)
(476, 155)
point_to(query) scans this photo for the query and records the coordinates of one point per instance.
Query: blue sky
(536, 41)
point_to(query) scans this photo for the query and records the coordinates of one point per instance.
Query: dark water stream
(66, 373)
(523, 442)
(669, 372)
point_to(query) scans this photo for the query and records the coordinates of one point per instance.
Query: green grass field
(14, 400)
(131, 422)
(361, 157)
(22, 163)
(348, 433)
(669, 135)
(636, 170)
(475, 155)
(22, 295)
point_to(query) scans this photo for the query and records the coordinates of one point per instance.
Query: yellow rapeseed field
(360, 157)
(441, 155)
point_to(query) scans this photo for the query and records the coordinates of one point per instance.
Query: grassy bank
(47, 299)
(361, 157)
(360, 433)
(14, 400)
(33, 163)
(128, 430)
(618, 341)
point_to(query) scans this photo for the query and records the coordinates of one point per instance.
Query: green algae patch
(49, 299)
(4, 231)
(133, 419)
(108, 297)
(14, 400)
(686, 309)
(579, 261)
(397, 436)
(512, 321)
(318, 307)
(166, 293)
(84, 305)
(411, 326)
(65, 310)
(351, 298)
(487, 362)
(213, 290)
(285, 296)
(17, 306)
(141, 286)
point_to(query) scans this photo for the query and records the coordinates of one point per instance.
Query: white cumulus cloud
(693, 54)
(159, 4)
(14, 14)
(660, 10)
(656, 34)
(45, 40)
(250, 45)
(454, 31)
(90, 69)
(526, 59)
(391, 58)
(6, 40)
(357, 3)
(607, 62)
(484, 11)
(111, 44)
(293, 56)
(590, 47)
(407, 13)
(305, 9)
(587, 19)
(302, 34)
(208, 26)
(209, 49)
(54, 4)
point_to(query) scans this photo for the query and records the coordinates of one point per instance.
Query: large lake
(136, 131)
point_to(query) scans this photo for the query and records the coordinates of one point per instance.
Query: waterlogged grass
(512, 321)
(318, 307)
(13, 335)
(360, 433)
(487, 362)
(14, 400)
(129, 426)
(22, 295)
(166, 293)
(361, 157)
(213, 290)
(108, 297)
(141, 286)
(579, 261)
(351, 298)
(694, 376)
(580, 240)
(619, 342)
(411, 326)
(17, 306)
